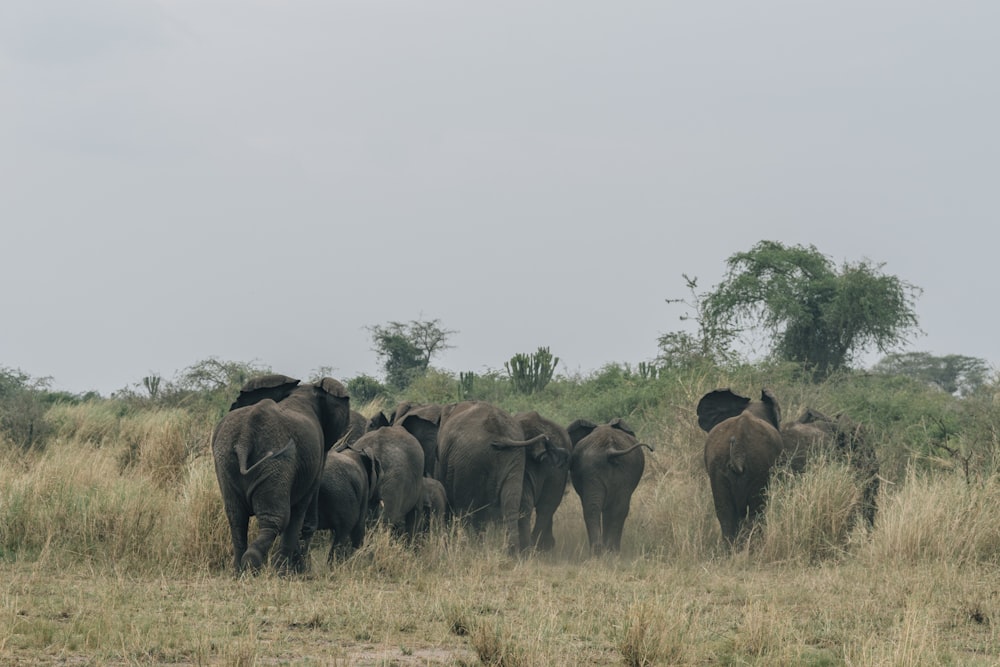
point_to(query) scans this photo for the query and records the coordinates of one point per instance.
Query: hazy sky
(259, 180)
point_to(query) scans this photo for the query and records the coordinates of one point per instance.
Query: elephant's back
(599, 447)
(469, 467)
(761, 442)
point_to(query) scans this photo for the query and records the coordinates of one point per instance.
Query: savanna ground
(114, 550)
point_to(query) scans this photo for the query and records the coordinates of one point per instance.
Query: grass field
(114, 551)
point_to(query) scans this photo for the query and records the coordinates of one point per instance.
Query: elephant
(358, 427)
(744, 442)
(482, 455)
(348, 489)
(434, 502)
(425, 429)
(840, 437)
(545, 481)
(605, 468)
(400, 487)
(269, 452)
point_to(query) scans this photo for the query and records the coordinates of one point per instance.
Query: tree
(23, 408)
(711, 343)
(405, 350)
(953, 373)
(815, 314)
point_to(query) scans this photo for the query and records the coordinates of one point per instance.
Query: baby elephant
(605, 468)
(349, 487)
(434, 502)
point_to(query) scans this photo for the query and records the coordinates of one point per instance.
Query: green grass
(114, 550)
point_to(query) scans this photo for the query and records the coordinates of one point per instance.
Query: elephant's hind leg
(271, 525)
(614, 523)
(239, 524)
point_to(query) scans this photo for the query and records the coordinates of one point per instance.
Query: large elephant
(840, 437)
(743, 444)
(545, 479)
(606, 467)
(269, 453)
(400, 487)
(482, 452)
(349, 487)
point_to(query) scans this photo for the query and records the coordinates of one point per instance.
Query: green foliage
(466, 385)
(211, 382)
(23, 406)
(405, 349)
(711, 344)
(953, 373)
(815, 314)
(529, 373)
(364, 389)
(433, 386)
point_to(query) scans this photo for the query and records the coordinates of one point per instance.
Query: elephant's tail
(243, 455)
(622, 452)
(502, 443)
(737, 456)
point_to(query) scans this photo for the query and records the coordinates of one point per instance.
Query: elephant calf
(348, 488)
(605, 467)
(434, 502)
(400, 485)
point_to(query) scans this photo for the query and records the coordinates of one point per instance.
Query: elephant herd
(746, 440)
(298, 458)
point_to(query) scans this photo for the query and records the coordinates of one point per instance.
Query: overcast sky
(261, 180)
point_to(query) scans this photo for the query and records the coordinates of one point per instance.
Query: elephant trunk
(623, 452)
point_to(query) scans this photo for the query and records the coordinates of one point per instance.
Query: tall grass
(114, 549)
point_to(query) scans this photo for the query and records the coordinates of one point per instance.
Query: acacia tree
(405, 349)
(953, 373)
(815, 314)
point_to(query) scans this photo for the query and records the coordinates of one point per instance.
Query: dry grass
(102, 561)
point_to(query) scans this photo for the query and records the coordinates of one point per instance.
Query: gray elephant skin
(400, 487)
(743, 444)
(482, 455)
(348, 489)
(269, 453)
(425, 430)
(357, 427)
(606, 466)
(839, 438)
(434, 502)
(545, 480)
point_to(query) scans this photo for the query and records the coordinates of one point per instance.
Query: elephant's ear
(275, 387)
(717, 406)
(771, 411)
(379, 420)
(579, 430)
(419, 427)
(333, 387)
(620, 424)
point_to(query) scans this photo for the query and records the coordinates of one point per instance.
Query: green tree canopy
(405, 349)
(814, 313)
(953, 373)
